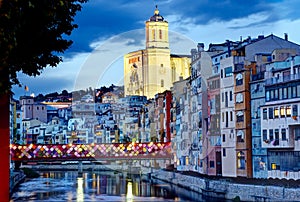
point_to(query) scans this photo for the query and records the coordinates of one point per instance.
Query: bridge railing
(36, 152)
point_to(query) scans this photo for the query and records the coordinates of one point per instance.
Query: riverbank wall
(228, 190)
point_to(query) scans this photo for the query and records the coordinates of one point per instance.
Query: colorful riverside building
(154, 69)
(280, 117)
(240, 69)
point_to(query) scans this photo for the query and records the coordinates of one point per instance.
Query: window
(271, 135)
(162, 83)
(267, 95)
(224, 152)
(228, 71)
(240, 135)
(285, 93)
(231, 116)
(297, 134)
(288, 111)
(298, 91)
(282, 114)
(277, 134)
(265, 135)
(221, 73)
(283, 134)
(239, 79)
(239, 98)
(240, 116)
(37, 108)
(160, 34)
(223, 137)
(272, 94)
(276, 112)
(211, 164)
(276, 94)
(161, 65)
(271, 112)
(280, 93)
(230, 95)
(153, 34)
(294, 92)
(241, 160)
(222, 116)
(222, 97)
(265, 113)
(289, 92)
(295, 111)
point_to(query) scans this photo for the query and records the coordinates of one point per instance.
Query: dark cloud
(104, 19)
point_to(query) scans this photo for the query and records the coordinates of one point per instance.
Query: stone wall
(223, 188)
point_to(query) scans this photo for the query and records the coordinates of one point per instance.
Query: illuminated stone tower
(153, 70)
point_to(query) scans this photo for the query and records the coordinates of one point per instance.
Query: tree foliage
(32, 35)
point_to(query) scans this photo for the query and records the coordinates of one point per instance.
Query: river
(58, 186)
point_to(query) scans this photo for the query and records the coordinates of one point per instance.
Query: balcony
(282, 79)
(277, 144)
(258, 76)
(238, 67)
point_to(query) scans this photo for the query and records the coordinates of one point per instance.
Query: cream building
(154, 69)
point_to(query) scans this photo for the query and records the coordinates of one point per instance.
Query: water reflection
(80, 194)
(99, 186)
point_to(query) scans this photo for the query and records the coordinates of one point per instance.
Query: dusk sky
(109, 29)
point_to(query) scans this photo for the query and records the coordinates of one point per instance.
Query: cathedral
(154, 69)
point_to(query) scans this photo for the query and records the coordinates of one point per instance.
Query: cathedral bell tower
(157, 31)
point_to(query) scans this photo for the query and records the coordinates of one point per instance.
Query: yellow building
(154, 69)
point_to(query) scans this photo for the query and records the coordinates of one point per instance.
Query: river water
(99, 186)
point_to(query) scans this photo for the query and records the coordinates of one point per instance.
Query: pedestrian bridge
(91, 152)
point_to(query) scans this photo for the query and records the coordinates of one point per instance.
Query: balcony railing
(258, 76)
(282, 79)
(238, 67)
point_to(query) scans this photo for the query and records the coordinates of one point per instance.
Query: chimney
(200, 47)
(286, 37)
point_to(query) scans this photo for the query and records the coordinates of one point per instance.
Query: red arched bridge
(114, 151)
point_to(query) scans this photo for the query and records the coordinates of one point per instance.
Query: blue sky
(108, 29)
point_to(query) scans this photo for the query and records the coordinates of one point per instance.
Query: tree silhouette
(31, 38)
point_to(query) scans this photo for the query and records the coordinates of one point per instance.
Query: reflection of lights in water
(98, 184)
(80, 195)
(129, 196)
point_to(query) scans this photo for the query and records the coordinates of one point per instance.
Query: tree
(31, 37)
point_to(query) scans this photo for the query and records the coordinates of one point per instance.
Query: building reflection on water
(92, 186)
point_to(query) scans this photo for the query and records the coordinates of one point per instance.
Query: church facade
(154, 69)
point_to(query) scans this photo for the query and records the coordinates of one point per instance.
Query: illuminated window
(282, 113)
(273, 166)
(241, 160)
(153, 34)
(288, 111)
(276, 112)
